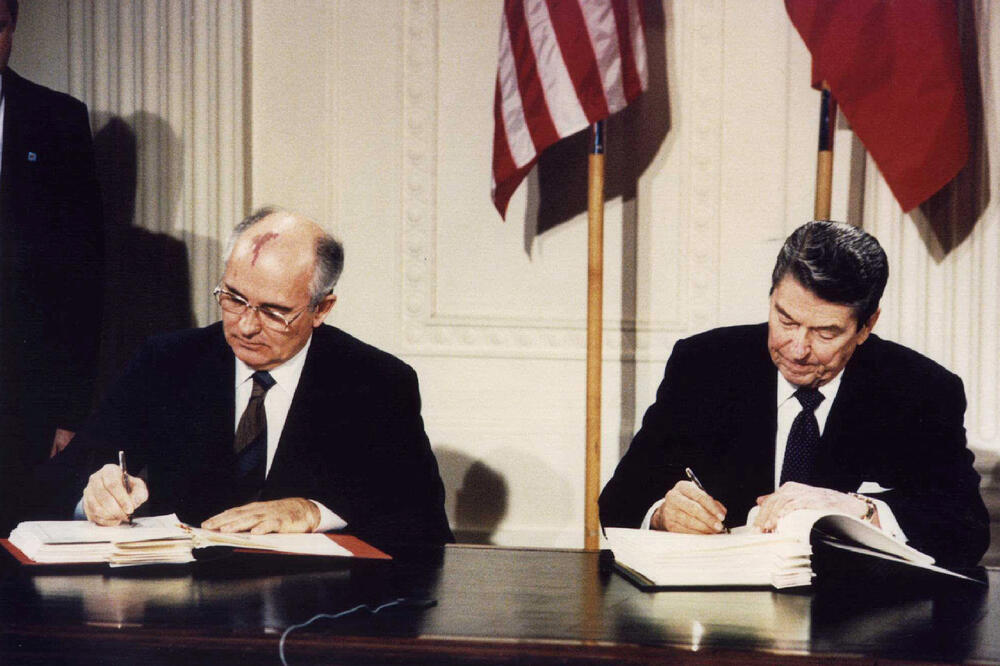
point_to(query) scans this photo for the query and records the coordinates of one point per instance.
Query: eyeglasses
(269, 318)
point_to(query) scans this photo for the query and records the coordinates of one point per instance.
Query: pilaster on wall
(164, 83)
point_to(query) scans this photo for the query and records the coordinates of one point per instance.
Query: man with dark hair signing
(270, 420)
(810, 410)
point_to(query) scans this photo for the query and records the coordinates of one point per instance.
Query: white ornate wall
(376, 118)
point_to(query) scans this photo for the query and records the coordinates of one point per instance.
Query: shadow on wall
(480, 496)
(147, 281)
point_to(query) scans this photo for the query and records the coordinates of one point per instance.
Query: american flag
(564, 65)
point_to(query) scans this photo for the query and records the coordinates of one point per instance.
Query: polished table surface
(494, 605)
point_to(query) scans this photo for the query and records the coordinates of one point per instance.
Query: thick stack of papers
(664, 559)
(157, 539)
(152, 540)
(746, 557)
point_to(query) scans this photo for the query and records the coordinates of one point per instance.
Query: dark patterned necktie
(803, 438)
(250, 442)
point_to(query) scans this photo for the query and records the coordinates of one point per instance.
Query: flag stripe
(630, 76)
(536, 111)
(566, 112)
(509, 114)
(578, 53)
(604, 36)
(503, 162)
(563, 65)
(638, 45)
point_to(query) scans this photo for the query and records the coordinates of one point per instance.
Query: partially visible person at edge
(51, 238)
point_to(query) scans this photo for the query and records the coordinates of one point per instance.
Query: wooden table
(494, 605)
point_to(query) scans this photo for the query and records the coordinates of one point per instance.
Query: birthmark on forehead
(259, 242)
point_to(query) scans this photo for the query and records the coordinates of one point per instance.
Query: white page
(304, 544)
(51, 532)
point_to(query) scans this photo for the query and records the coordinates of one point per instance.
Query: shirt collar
(285, 375)
(786, 389)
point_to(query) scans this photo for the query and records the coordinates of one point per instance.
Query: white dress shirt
(277, 402)
(788, 408)
(3, 107)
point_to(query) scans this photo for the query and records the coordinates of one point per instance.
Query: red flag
(564, 65)
(894, 67)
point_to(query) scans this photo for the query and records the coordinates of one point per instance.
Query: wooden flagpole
(824, 158)
(595, 294)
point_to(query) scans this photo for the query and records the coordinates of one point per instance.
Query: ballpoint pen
(125, 480)
(694, 479)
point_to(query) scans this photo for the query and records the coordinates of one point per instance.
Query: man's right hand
(689, 509)
(105, 500)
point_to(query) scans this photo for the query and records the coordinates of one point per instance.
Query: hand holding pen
(688, 508)
(112, 495)
(694, 479)
(127, 482)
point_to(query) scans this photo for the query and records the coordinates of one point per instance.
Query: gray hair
(329, 254)
(837, 262)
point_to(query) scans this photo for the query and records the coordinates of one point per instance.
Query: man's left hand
(792, 496)
(293, 514)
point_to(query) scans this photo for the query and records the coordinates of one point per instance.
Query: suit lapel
(220, 378)
(843, 434)
(762, 421)
(9, 138)
(211, 403)
(314, 403)
(746, 467)
(14, 127)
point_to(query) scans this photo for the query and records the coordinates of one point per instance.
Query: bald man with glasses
(270, 420)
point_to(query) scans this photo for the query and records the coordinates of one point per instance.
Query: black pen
(125, 480)
(694, 479)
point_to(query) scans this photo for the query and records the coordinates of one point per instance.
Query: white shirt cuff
(649, 515)
(328, 520)
(888, 521)
(78, 512)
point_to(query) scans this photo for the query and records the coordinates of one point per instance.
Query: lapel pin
(32, 157)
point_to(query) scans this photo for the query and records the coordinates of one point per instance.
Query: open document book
(747, 558)
(152, 540)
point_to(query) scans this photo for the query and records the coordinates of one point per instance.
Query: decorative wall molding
(704, 154)
(428, 329)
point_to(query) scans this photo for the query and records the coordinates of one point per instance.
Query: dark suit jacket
(897, 420)
(50, 276)
(353, 440)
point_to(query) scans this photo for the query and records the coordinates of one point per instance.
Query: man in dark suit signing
(50, 272)
(270, 420)
(810, 410)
